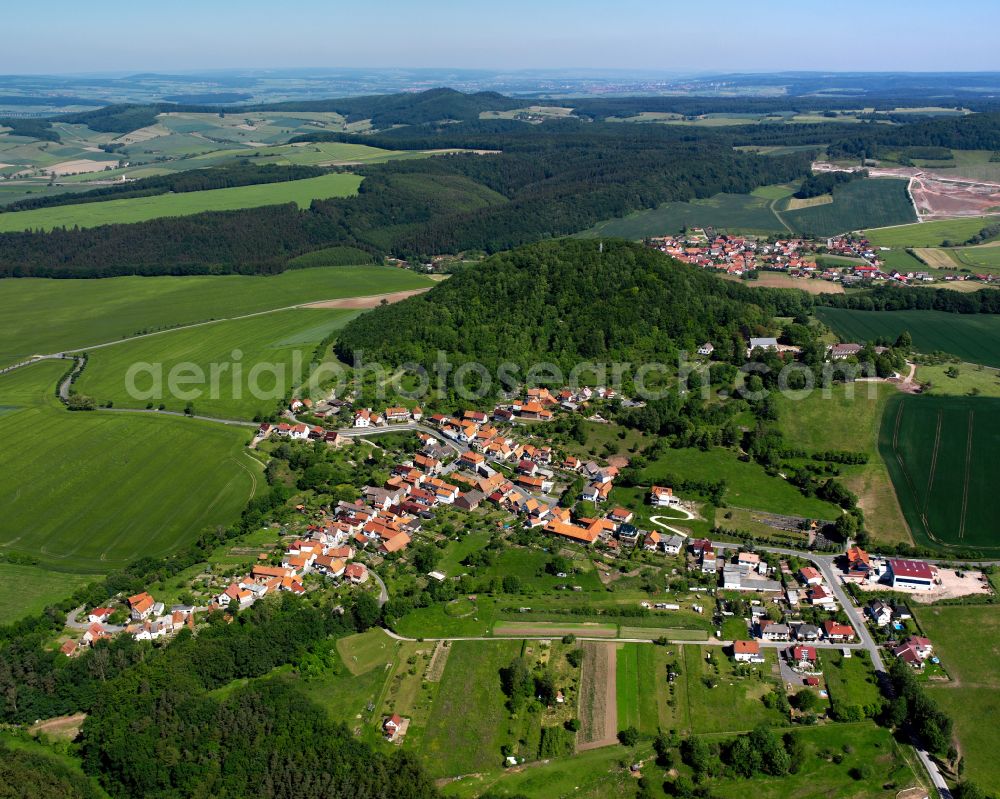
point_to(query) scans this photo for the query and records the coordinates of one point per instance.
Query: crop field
(258, 361)
(972, 337)
(966, 639)
(929, 234)
(466, 726)
(858, 204)
(82, 313)
(733, 212)
(92, 491)
(748, 485)
(141, 209)
(25, 590)
(941, 454)
(598, 710)
(731, 703)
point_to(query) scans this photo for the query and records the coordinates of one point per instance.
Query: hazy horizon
(63, 38)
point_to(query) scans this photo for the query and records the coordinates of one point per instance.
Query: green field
(141, 209)
(748, 485)
(851, 681)
(467, 724)
(965, 640)
(91, 491)
(929, 234)
(274, 351)
(807, 422)
(25, 590)
(985, 258)
(642, 690)
(971, 380)
(858, 204)
(972, 337)
(744, 212)
(81, 313)
(941, 454)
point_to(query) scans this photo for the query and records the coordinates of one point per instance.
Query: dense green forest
(564, 302)
(545, 183)
(27, 774)
(825, 182)
(915, 298)
(40, 129)
(243, 173)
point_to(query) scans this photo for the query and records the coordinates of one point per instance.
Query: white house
(747, 652)
(662, 497)
(706, 349)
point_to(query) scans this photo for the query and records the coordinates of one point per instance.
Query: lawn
(468, 722)
(941, 454)
(851, 681)
(25, 590)
(92, 491)
(81, 313)
(858, 204)
(141, 209)
(748, 485)
(929, 234)
(970, 337)
(365, 651)
(733, 703)
(965, 638)
(258, 360)
(732, 212)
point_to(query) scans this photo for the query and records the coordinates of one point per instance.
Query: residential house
(621, 516)
(709, 562)
(747, 652)
(818, 595)
(807, 632)
(357, 573)
(774, 631)
(662, 497)
(141, 605)
(810, 576)
(673, 545)
(804, 657)
(880, 612)
(470, 500)
(706, 349)
(835, 631)
(99, 615)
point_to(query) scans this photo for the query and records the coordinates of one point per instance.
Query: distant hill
(566, 301)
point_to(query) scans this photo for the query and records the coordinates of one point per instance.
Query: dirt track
(366, 302)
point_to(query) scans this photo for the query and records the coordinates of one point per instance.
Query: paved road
(232, 422)
(383, 594)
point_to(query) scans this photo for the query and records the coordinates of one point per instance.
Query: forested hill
(567, 301)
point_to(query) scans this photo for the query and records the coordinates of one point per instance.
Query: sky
(72, 36)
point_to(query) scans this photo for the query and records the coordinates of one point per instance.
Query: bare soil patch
(598, 696)
(79, 166)
(794, 203)
(779, 280)
(366, 302)
(63, 727)
(438, 661)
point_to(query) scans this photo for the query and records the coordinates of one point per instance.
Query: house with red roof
(747, 652)
(915, 575)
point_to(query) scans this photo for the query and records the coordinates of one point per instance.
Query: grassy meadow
(941, 455)
(811, 424)
(25, 590)
(81, 313)
(748, 485)
(965, 638)
(92, 491)
(142, 209)
(929, 234)
(274, 352)
(972, 337)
